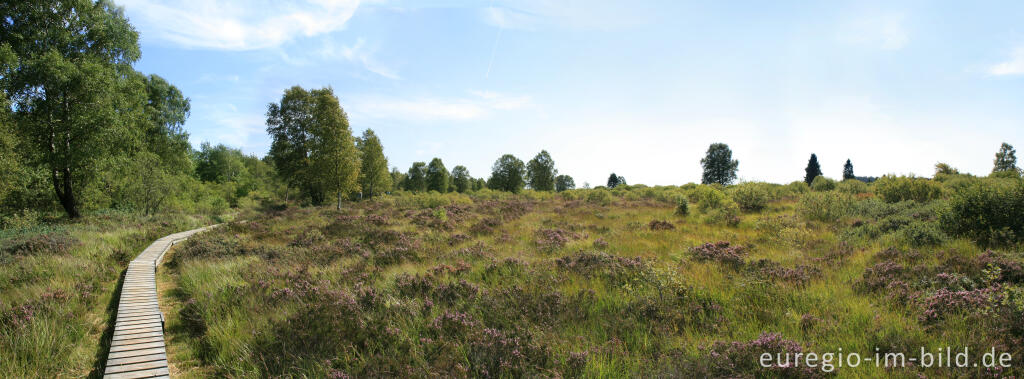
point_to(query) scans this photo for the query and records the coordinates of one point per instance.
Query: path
(137, 349)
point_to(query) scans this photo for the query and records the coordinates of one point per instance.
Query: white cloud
(886, 31)
(357, 53)
(477, 106)
(237, 24)
(1014, 66)
(573, 14)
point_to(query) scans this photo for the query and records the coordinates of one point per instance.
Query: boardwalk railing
(137, 349)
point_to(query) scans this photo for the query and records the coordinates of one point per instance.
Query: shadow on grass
(108, 333)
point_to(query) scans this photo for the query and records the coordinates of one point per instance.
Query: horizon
(639, 90)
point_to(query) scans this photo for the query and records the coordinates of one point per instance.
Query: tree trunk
(65, 193)
(339, 200)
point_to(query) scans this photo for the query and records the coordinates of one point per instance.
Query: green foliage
(416, 177)
(1005, 164)
(894, 189)
(813, 169)
(541, 172)
(709, 198)
(987, 211)
(563, 183)
(507, 174)
(615, 181)
(438, 178)
(825, 206)
(822, 183)
(219, 163)
(461, 180)
(167, 109)
(719, 167)
(919, 233)
(599, 196)
(852, 187)
(682, 206)
(373, 174)
(848, 171)
(750, 196)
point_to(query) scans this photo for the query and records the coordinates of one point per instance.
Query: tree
(461, 179)
(541, 172)
(564, 182)
(76, 95)
(813, 170)
(397, 179)
(313, 148)
(219, 163)
(719, 167)
(437, 176)
(507, 174)
(945, 169)
(1006, 160)
(416, 178)
(373, 175)
(848, 170)
(479, 184)
(166, 110)
(613, 180)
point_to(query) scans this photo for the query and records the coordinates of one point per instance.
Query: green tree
(507, 174)
(373, 176)
(313, 148)
(416, 178)
(397, 179)
(1006, 161)
(541, 172)
(479, 184)
(219, 163)
(719, 167)
(613, 180)
(76, 94)
(564, 182)
(461, 179)
(813, 170)
(848, 170)
(166, 111)
(437, 176)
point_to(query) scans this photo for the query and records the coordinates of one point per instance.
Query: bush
(709, 198)
(852, 187)
(683, 207)
(726, 213)
(599, 196)
(895, 189)
(988, 212)
(794, 189)
(825, 206)
(922, 234)
(751, 197)
(822, 183)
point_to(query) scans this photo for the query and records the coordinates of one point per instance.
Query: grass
(535, 285)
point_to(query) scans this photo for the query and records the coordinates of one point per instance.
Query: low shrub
(852, 187)
(656, 225)
(821, 183)
(682, 206)
(988, 212)
(742, 359)
(825, 206)
(751, 197)
(894, 189)
(919, 234)
(721, 251)
(51, 243)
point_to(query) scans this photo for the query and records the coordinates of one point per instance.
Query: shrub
(599, 196)
(727, 213)
(720, 251)
(553, 239)
(822, 183)
(751, 197)
(825, 206)
(794, 189)
(656, 225)
(682, 207)
(741, 360)
(919, 233)
(709, 198)
(852, 187)
(53, 243)
(987, 212)
(894, 189)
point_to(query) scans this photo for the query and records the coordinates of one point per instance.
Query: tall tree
(848, 170)
(313, 148)
(461, 179)
(416, 178)
(813, 169)
(397, 179)
(541, 172)
(373, 175)
(219, 163)
(719, 167)
(507, 174)
(1006, 160)
(437, 176)
(75, 92)
(613, 180)
(564, 182)
(166, 110)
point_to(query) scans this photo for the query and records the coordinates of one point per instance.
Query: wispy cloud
(886, 31)
(237, 24)
(1013, 66)
(357, 53)
(573, 14)
(479, 104)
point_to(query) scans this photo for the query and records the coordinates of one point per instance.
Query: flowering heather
(600, 243)
(656, 225)
(602, 264)
(880, 275)
(721, 251)
(799, 275)
(53, 243)
(458, 238)
(549, 240)
(1010, 270)
(944, 302)
(738, 359)
(453, 323)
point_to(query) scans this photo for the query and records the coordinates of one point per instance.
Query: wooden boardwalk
(137, 349)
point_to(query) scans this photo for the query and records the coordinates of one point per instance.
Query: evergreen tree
(813, 169)
(613, 180)
(1006, 160)
(564, 182)
(461, 179)
(719, 167)
(416, 178)
(507, 174)
(373, 176)
(848, 170)
(437, 176)
(541, 172)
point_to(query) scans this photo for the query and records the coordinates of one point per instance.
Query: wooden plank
(114, 349)
(139, 340)
(134, 353)
(138, 374)
(137, 359)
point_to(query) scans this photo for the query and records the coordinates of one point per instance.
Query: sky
(638, 88)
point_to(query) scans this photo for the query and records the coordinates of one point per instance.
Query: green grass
(377, 289)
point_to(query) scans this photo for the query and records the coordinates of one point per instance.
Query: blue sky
(640, 88)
